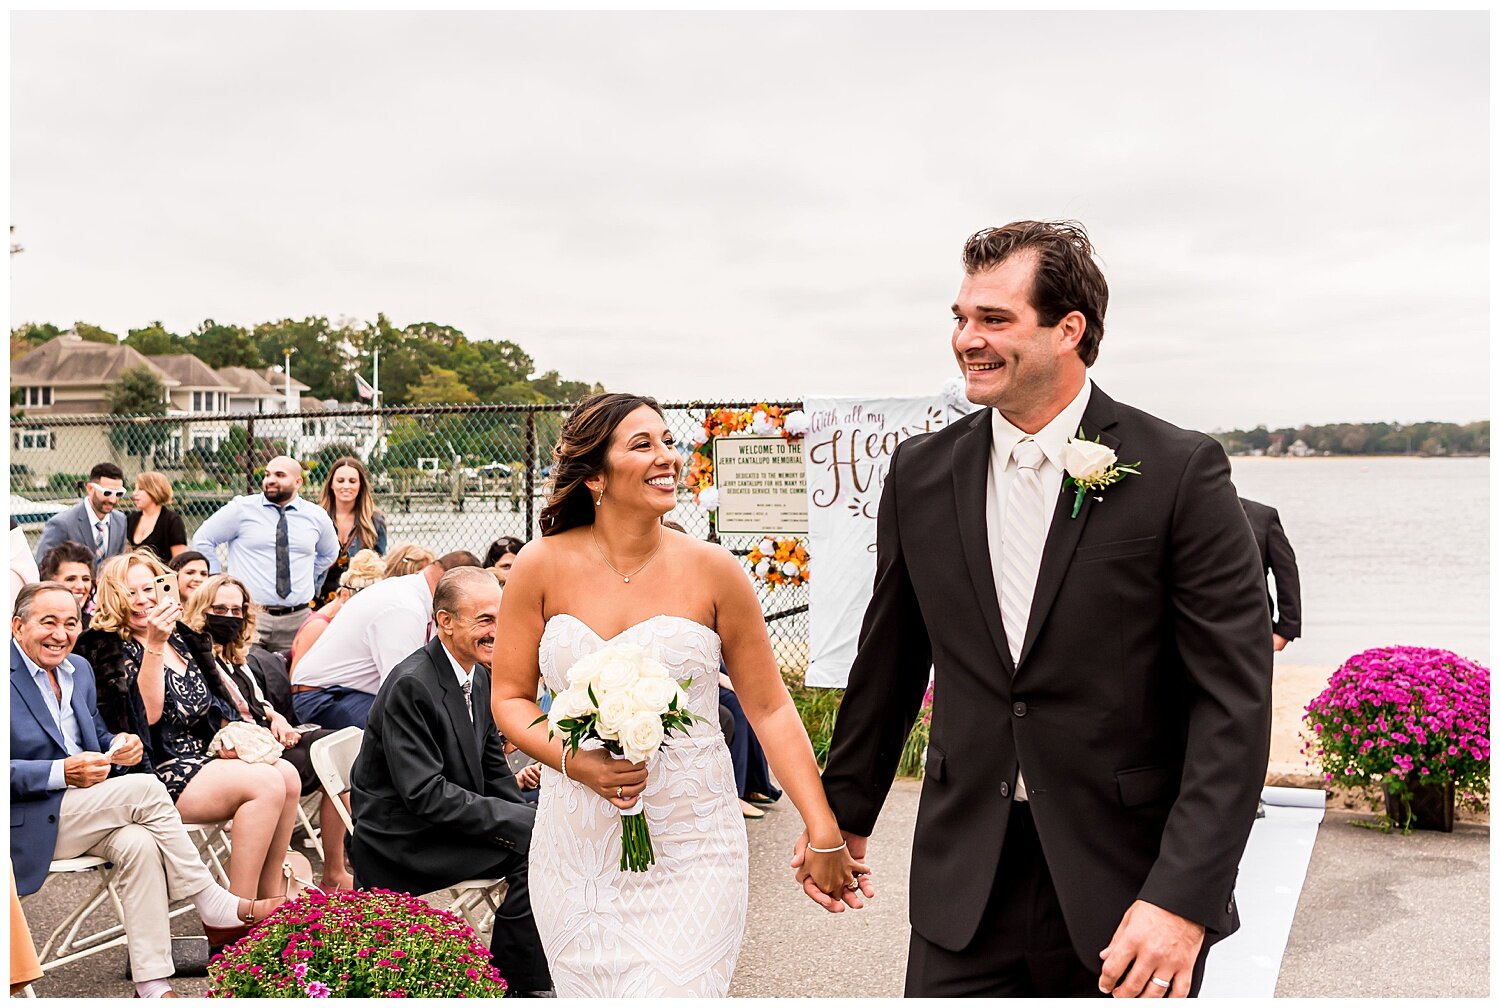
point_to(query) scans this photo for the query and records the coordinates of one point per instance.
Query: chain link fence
(446, 477)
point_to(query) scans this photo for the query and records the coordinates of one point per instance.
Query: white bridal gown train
(676, 929)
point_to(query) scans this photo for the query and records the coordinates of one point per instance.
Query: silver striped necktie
(1021, 542)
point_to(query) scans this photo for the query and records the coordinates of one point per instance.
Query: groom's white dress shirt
(1004, 436)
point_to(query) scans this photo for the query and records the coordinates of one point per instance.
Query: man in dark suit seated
(1278, 560)
(71, 794)
(433, 799)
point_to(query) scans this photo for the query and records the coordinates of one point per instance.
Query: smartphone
(166, 588)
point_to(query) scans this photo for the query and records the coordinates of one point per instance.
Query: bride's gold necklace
(661, 535)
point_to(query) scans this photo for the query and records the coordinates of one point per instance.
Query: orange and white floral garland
(780, 562)
(776, 562)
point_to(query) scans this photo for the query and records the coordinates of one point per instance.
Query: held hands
(85, 769)
(836, 880)
(529, 776)
(1157, 948)
(617, 781)
(161, 620)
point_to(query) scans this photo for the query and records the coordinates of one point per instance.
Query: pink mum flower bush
(364, 943)
(1399, 717)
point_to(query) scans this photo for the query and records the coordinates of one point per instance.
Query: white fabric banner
(848, 450)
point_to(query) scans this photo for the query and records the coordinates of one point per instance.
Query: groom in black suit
(433, 799)
(1102, 699)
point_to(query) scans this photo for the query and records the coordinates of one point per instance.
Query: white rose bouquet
(623, 699)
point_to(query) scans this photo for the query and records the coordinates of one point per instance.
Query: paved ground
(1380, 915)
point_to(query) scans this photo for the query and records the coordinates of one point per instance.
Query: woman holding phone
(177, 703)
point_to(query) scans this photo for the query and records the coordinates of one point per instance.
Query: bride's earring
(600, 500)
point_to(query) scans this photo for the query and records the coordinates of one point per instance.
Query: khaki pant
(132, 822)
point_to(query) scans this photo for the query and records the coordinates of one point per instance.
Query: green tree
(94, 334)
(155, 339)
(440, 385)
(138, 393)
(321, 360)
(221, 346)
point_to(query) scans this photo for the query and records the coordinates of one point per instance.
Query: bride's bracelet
(565, 762)
(828, 850)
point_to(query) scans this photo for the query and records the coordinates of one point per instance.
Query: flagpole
(375, 405)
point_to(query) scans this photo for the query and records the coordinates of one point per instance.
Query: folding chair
(65, 945)
(306, 809)
(333, 760)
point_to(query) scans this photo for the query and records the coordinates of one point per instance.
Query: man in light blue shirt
(278, 544)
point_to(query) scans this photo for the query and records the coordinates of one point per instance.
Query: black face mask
(223, 629)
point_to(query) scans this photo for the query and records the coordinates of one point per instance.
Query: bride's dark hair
(579, 455)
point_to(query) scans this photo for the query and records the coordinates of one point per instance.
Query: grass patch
(819, 709)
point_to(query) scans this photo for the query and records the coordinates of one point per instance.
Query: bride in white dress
(606, 571)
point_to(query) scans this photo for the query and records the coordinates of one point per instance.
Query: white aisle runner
(1248, 962)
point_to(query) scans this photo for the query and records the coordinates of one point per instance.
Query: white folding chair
(65, 944)
(306, 809)
(333, 759)
(213, 841)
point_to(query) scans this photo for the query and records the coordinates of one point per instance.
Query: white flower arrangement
(795, 423)
(627, 702)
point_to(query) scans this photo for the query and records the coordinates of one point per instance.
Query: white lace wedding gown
(676, 929)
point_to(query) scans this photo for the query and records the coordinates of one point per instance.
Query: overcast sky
(1291, 209)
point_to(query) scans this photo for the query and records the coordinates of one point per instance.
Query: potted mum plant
(1411, 721)
(364, 943)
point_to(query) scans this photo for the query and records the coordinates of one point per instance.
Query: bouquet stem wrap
(636, 852)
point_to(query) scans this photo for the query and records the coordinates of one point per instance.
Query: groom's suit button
(1018, 709)
(1004, 790)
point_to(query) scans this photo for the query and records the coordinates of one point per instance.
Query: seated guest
(22, 563)
(192, 570)
(336, 681)
(359, 573)
(408, 558)
(153, 525)
(502, 556)
(752, 775)
(71, 795)
(72, 564)
(222, 609)
(434, 802)
(177, 694)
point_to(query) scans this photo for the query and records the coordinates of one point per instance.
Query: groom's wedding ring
(1163, 984)
(620, 792)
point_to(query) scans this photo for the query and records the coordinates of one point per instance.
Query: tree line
(421, 363)
(1425, 438)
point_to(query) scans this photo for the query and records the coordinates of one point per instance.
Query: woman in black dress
(137, 644)
(153, 525)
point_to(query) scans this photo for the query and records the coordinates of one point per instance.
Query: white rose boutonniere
(1091, 467)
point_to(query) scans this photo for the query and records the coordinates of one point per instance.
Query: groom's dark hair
(1066, 278)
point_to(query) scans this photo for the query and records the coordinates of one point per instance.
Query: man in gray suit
(93, 521)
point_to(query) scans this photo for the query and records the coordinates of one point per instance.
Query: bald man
(434, 802)
(278, 544)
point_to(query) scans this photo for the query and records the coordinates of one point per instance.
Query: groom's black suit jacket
(1140, 710)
